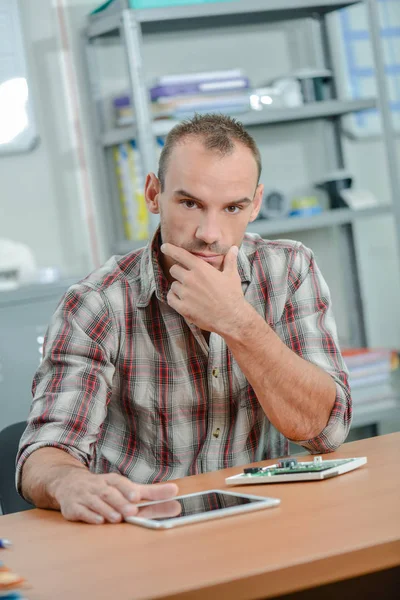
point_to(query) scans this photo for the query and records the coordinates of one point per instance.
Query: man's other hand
(96, 499)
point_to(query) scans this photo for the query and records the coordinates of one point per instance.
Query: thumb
(230, 262)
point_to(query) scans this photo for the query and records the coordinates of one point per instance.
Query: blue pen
(5, 543)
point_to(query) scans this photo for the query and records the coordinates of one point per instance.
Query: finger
(182, 256)
(179, 273)
(162, 491)
(177, 289)
(174, 302)
(109, 513)
(115, 501)
(84, 514)
(230, 260)
(159, 511)
(126, 487)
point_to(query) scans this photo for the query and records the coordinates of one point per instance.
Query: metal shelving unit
(130, 25)
(273, 10)
(308, 112)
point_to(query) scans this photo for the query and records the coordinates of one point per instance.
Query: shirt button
(216, 433)
(215, 372)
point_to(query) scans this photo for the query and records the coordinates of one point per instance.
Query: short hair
(218, 132)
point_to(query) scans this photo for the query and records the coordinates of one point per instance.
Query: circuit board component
(290, 469)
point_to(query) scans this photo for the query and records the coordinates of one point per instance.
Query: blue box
(163, 3)
(110, 4)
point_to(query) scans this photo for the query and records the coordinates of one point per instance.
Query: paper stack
(180, 96)
(370, 374)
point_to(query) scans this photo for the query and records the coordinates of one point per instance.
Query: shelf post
(131, 34)
(384, 107)
(110, 219)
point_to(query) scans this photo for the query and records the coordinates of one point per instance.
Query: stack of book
(131, 180)
(370, 375)
(181, 96)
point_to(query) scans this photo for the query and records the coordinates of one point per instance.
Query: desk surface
(322, 532)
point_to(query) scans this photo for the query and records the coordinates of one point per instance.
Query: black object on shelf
(334, 183)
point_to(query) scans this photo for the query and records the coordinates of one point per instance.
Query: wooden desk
(322, 532)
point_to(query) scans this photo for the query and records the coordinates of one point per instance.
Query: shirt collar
(153, 280)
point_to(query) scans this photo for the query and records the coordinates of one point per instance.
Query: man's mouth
(207, 257)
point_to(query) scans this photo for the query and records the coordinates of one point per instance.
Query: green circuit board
(299, 468)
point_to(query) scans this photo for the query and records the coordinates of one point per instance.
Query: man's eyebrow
(192, 197)
(241, 201)
(187, 195)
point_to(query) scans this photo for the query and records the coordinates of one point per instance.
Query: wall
(55, 186)
(41, 200)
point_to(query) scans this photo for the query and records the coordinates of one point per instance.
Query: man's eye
(233, 210)
(189, 203)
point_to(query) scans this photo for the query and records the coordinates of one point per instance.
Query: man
(189, 355)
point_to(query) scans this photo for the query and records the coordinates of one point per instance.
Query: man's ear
(258, 198)
(152, 190)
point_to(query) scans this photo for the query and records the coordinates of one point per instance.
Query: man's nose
(208, 230)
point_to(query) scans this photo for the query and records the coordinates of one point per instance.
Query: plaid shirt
(126, 385)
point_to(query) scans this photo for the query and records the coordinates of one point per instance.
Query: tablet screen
(207, 502)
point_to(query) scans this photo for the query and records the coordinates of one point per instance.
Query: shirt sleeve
(72, 386)
(308, 327)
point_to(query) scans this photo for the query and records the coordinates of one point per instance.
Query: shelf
(265, 227)
(215, 14)
(273, 116)
(274, 9)
(329, 218)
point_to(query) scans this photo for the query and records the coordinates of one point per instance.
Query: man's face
(207, 202)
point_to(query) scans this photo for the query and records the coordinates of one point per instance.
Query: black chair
(10, 500)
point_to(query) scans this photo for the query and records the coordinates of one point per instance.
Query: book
(199, 87)
(374, 394)
(136, 176)
(369, 380)
(130, 179)
(198, 77)
(180, 106)
(358, 357)
(369, 368)
(378, 368)
(202, 99)
(120, 155)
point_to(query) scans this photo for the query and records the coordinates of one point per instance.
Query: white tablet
(201, 506)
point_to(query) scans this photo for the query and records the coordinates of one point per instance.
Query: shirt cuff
(337, 428)
(36, 446)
